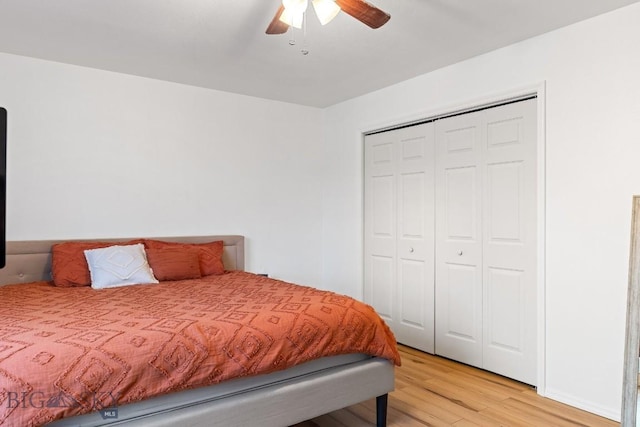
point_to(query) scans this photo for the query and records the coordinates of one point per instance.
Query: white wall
(100, 154)
(591, 72)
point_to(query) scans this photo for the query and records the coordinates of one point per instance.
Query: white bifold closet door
(459, 239)
(398, 232)
(486, 239)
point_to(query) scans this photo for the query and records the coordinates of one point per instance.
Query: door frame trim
(535, 89)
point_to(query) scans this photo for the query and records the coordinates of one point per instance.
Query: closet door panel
(411, 277)
(380, 293)
(505, 322)
(458, 239)
(399, 235)
(415, 326)
(509, 246)
(460, 193)
(505, 225)
(383, 216)
(462, 298)
(411, 250)
(380, 225)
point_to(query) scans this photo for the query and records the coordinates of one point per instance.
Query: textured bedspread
(67, 351)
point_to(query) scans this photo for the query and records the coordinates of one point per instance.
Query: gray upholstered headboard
(30, 261)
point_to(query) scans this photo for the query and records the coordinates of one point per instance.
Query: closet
(450, 236)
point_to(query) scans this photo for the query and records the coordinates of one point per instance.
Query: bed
(283, 396)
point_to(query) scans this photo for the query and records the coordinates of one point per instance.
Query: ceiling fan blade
(364, 12)
(276, 26)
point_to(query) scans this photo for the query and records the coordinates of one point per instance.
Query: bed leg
(381, 410)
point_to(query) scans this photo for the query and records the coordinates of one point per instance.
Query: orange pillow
(69, 266)
(174, 263)
(209, 254)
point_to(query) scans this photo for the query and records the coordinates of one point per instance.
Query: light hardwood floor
(432, 391)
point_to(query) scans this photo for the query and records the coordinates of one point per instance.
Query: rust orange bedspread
(67, 351)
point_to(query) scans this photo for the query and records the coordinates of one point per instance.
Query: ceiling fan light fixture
(293, 13)
(326, 10)
(291, 19)
(294, 10)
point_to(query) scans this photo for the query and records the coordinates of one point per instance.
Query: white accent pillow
(118, 266)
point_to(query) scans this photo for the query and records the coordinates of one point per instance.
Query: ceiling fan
(290, 13)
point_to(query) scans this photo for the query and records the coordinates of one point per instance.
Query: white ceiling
(221, 44)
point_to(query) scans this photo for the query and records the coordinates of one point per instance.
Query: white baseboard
(612, 414)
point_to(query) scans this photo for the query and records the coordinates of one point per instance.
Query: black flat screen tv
(3, 183)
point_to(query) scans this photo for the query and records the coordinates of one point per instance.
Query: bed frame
(270, 400)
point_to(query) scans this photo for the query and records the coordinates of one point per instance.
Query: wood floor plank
(540, 416)
(438, 392)
(465, 423)
(350, 417)
(415, 407)
(509, 418)
(435, 402)
(459, 394)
